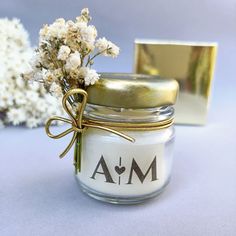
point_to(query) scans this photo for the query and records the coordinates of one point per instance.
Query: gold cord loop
(76, 122)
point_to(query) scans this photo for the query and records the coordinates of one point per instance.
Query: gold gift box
(191, 64)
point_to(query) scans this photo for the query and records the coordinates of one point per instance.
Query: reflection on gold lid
(144, 91)
(191, 64)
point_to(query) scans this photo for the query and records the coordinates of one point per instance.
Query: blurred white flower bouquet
(20, 102)
(66, 53)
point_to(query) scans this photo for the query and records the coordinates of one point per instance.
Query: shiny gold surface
(191, 64)
(132, 91)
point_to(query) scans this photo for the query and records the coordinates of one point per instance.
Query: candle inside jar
(114, 166)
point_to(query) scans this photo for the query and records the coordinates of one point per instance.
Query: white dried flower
(58, 73)
(43, 32)
(35, 61)
(20, 83)
(32, 122)
(84, 17)
(80, 25)
(38, 76)
(70, 24)
(67, 50)
(49, 78)
(88, 33)
(56, 30)
(73, 61)
(107, 48)
(55, 89)
(35, 87)
(85, 11)
(90, 76)
(22, 102)
(60, 21)
(88, 36)
(16, 116)
(63, 53)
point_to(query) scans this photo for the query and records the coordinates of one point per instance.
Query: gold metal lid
(132, 91)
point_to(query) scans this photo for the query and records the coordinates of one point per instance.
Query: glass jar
(114, 169)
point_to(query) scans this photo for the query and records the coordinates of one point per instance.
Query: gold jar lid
(132, 91)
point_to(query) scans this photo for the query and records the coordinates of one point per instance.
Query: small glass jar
(114, 169)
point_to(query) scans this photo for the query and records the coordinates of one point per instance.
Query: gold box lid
(190, 63)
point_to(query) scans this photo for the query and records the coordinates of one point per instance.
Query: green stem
(78, 148)
(97, 54)
(77, 153)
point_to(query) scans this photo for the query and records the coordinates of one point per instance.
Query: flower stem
(77, 153)
(97, 54)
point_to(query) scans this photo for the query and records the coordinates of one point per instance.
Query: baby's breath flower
(85, 12)
(84, 17)
(51, 32)
(63, 53)
(73, 61)
(88, 33)
(35, 61)
(16, 116)
(58, 74)
(60, 21)
(33, 122)
(56, 90)
(74, 74)
(22, 101)
(107, 48)
(90, 76)
(49, 78)
(88, 36)
(43, 32)
(67, 50)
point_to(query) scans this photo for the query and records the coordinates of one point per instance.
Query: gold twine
(78, 125)
(76, 122)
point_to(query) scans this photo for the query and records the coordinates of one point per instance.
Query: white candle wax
(115, 166)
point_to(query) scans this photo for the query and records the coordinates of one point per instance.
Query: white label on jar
(122, 168)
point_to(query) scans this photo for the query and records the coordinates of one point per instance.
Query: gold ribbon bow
(77, 124)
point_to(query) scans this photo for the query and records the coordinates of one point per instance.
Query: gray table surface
(39, 194)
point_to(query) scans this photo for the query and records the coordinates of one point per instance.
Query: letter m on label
(135, 168)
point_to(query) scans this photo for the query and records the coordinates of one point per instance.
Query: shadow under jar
(114, 169)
